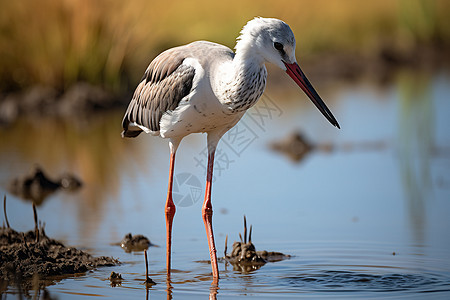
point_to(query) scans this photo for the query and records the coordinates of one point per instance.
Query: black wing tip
(127, 133)
(130, 133)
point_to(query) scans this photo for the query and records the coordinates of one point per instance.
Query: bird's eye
(278, 46)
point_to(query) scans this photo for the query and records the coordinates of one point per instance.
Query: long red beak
(299, 77)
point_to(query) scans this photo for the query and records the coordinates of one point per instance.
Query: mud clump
(245, 253)
(22, 257)
(138, 242)
(115, 279)
(245, 258)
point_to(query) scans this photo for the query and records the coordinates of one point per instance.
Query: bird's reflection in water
(213, 290)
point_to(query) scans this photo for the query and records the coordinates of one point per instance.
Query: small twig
(42, 230)
(250, 235)
(25, 242)
(240, 236)
(36, 227)
(245, 230)
(148, 280)
(226, 246)
(4, 211)
(146, 265)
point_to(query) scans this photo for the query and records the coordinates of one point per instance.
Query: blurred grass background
(110, 42)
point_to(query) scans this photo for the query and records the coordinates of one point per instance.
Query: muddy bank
(79, 101)
(23, 258)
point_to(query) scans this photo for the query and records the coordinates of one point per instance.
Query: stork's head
(270, 38)
(274, 41)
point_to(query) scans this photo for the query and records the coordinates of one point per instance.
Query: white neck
(247, 50)
(243, 79)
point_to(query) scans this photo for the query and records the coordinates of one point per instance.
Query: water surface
(368, 219)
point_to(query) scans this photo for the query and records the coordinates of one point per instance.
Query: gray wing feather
(165, 82)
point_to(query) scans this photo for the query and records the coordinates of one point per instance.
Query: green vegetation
(110, 42)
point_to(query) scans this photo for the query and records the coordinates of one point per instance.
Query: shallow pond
(369, 218)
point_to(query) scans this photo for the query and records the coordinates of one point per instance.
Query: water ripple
(347, 281)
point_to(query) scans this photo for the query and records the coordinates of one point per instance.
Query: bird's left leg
(170, 206)
(207, 211)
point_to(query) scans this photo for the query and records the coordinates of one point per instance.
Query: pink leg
(207, 213)
(170, 212)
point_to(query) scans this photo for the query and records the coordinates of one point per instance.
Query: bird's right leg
(207, 211)
(170, 211)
